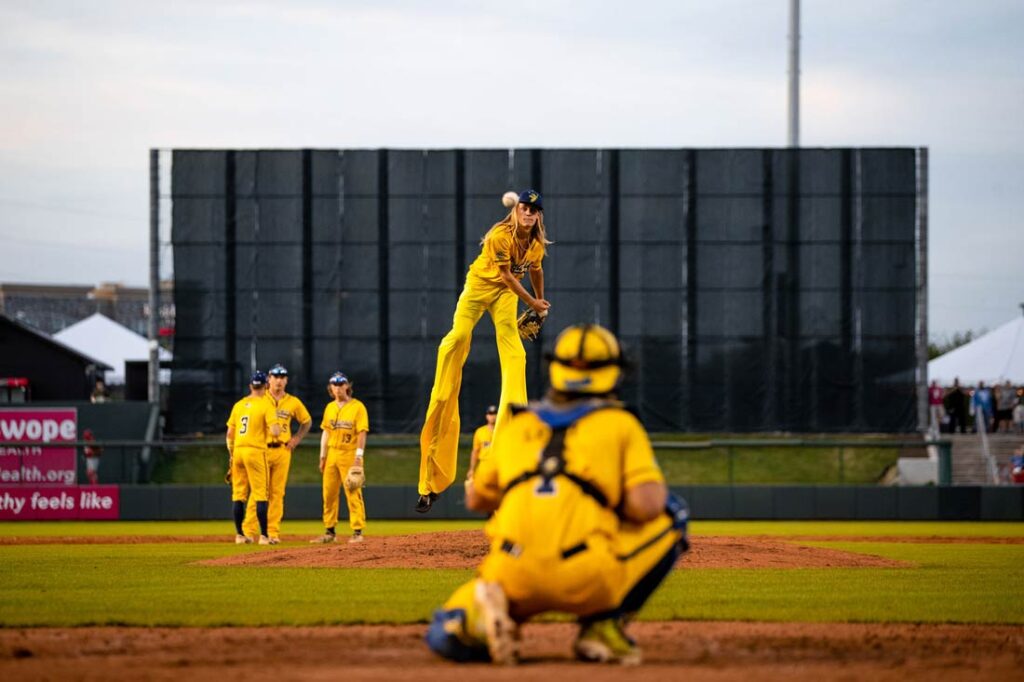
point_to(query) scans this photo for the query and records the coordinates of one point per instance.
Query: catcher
(584, 524)
(345, 425)
(511, 248)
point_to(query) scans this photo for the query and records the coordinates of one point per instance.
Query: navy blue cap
(492, 409)
(532, 197)
(337, 379)
(278, 370)
(258, 379)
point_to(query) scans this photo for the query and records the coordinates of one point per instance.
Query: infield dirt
(695, 651)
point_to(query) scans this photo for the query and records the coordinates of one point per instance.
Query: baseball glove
(355, 478)
(529, 324)
(227, 476)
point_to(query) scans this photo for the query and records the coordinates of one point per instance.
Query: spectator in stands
(1005, 400)
(956, 407)
(100, 394)
(935, 409)
(981, 402)
(1017, 466)
(92, 457)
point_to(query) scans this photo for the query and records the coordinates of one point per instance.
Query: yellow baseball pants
(592, 579)
(335, 469)
(439, 440)
(249, 473)
(279, 461)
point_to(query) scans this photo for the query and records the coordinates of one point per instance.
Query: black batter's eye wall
(753, 289)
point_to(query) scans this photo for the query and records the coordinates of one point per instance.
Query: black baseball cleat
(425, 502)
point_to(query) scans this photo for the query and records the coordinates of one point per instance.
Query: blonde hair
(510, 223)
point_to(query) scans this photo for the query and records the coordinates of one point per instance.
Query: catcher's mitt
(529, 324)
(355, 478)
(227, 477)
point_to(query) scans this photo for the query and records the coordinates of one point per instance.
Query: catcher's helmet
(587, 359)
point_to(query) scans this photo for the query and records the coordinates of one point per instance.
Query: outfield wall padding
(861, 503)
(754, 290)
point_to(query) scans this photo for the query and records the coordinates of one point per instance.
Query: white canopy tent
(100, 337)
(993, 358)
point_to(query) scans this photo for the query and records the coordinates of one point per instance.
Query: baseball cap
(532, 197)
(492, 409)
(337, 379)
(278, 370)
(258, 379)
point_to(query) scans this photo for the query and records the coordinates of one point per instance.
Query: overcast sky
(87, 88)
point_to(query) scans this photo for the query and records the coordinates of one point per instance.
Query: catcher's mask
(587, 359)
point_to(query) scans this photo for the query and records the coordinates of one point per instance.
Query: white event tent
(100, 337)
(993, 358)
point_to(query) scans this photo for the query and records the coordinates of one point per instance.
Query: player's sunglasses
(529, 209)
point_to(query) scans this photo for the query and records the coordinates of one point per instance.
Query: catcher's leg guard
(457, 631)
(444, 637)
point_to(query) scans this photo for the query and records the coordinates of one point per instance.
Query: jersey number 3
(245, 424)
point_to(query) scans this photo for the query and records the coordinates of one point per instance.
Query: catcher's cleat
(425, 502)
(356, 537)
(324, 539)
(604, 641)
(264, 540)
(502, 642)
(243, 540)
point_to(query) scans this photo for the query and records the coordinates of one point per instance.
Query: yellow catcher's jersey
(482, 437)
(249, 418)
(287, 408)
(608, 447)
(502, 248)
(344, 422)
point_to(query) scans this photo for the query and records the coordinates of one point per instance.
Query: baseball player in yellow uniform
(584, 522)
(345, 425)
(482, 438)
(510, 249)
(249, 426)
(286, 408)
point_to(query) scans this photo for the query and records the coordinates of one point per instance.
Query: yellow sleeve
(301, 413)
(233, 417)
(477, 440)
(485, 479)
(498, 247)
(362, 419)
(639, 463)
(325, 423)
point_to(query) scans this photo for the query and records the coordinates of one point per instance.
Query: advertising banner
(53, 502)
(38, 464)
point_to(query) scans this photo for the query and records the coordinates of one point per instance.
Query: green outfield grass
(161, 583)
(205, 464)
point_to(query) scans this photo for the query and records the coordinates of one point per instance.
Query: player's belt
(275, 445)
(514, 549)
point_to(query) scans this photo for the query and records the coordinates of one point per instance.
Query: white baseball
(509, 199)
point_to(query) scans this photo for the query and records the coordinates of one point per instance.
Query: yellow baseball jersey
(482, 437)
(608, 447)
(502, 248)
(343, 423)
(287, 408)
(249, 418)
